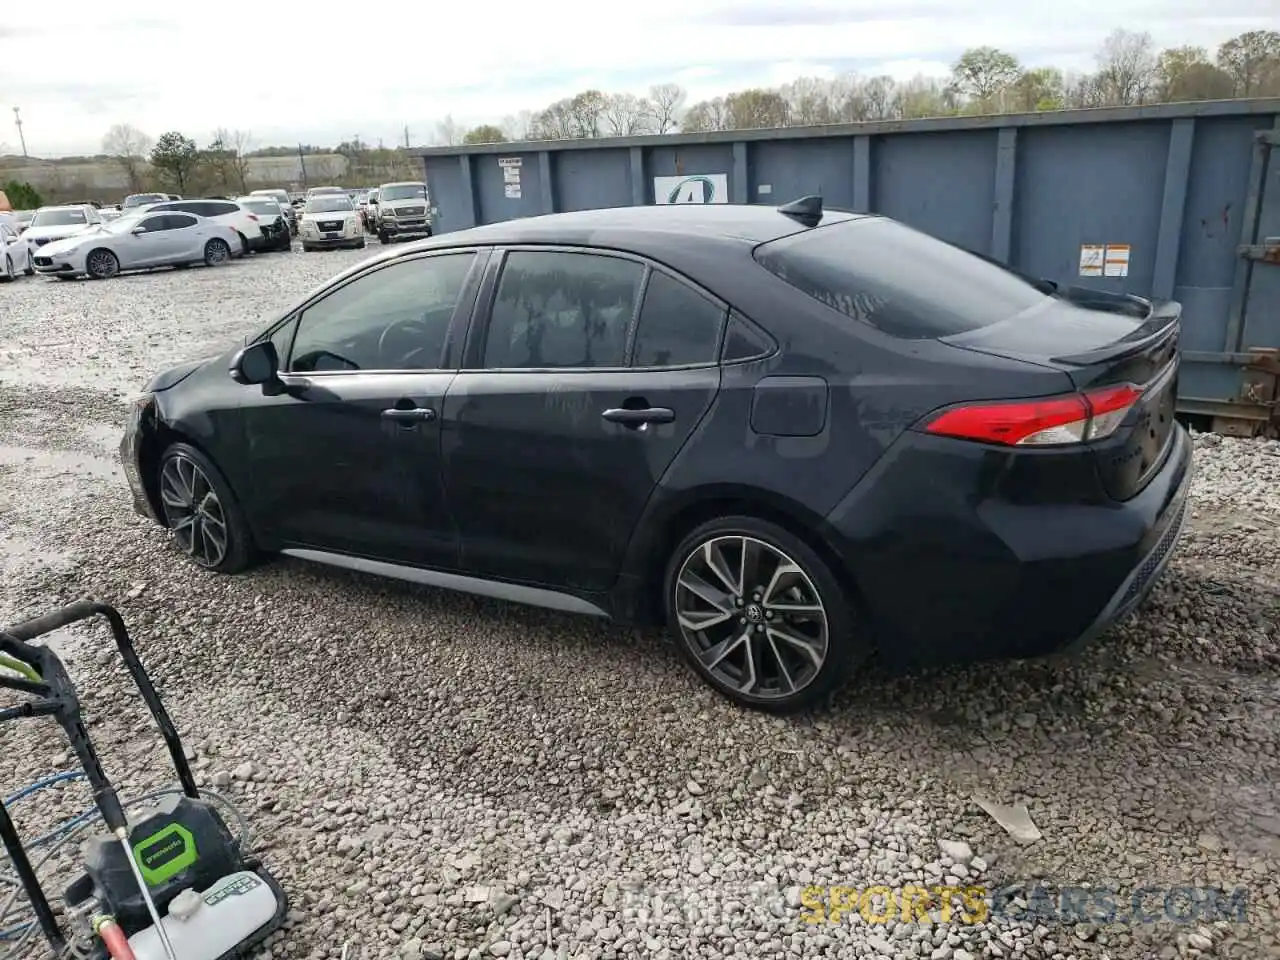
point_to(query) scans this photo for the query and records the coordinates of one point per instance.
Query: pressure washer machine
(166, 882)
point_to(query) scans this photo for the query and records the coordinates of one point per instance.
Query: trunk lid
(1101, 340)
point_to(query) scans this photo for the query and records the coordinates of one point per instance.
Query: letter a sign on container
(698, 188)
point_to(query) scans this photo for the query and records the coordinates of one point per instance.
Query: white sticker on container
(1092, 258)
(1117, 260)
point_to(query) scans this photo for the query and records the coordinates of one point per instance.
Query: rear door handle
(632, 417)
(412, 414)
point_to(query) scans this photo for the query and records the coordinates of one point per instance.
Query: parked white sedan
(139, 242)
(15, 254)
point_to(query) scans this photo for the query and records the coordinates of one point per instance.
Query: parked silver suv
(403, 210)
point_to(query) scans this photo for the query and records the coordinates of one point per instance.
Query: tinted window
(562, 310)
(743, 342)
(179, 221)
(152, 224)
(677, 325)
(395, 318)
(214, 209)
(898, 280)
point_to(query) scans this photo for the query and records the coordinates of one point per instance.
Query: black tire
(7, 276)
(244, 244)
(307, 248)
(285, 245)
(101, 267)
(238, 552)
(217, 252)
(384, 237)
(30, 270)
(844, 649)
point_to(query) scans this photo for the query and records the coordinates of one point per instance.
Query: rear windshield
(140, 199)
(902, 282)
(268, 208)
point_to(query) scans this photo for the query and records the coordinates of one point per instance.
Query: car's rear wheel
(8, 276)
(101, 264)
(760, 615)
(216, 252)
(202, 513)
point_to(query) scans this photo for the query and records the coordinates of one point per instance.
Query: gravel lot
(432, 775)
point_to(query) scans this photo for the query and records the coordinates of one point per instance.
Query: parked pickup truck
(402, 210)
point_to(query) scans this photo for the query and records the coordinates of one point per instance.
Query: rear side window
(562, 310)
(902, 282)
(677, 325)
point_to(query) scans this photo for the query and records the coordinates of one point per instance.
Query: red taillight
(1054, 420)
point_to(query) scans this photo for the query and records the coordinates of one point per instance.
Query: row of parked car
(152, 230)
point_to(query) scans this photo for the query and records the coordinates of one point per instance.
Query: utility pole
(17, 119)
(406, 136)
(302, 160)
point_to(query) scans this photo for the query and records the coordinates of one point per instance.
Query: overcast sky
(291, 72)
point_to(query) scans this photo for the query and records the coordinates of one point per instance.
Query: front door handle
(636, 417)
(412, 414)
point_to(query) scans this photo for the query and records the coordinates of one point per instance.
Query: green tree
(1037, 90)
(485, 133)
(1185, 73)
(1252, 60)
(982, 72)
(177, 157)
(23, 196)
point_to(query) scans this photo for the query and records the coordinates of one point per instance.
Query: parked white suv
(224, 212)
(58, 223)
(403, 211)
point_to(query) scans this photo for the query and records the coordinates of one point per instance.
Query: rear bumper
(959, 558)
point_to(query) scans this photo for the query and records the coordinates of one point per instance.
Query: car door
(346, 457)
(148, 244)
(568, 411)
(183, 242)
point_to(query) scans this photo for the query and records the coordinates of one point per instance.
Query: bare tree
(1251, 60)
(626, 115)
(705, 116)
(1127, 67)
(128, 146)
(668, 104)
(448, 131)
(520, 126)
(229, 156)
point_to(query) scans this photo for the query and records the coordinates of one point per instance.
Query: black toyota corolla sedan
(798, 437)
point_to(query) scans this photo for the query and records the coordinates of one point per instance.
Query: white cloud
(161, 66)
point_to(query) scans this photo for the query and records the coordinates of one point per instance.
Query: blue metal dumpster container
(1173, 200)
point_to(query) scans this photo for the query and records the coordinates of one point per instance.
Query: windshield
(267, 208)
(407, 191)
(59, 218)
(899, 280)
(140, 199)
(332, 204)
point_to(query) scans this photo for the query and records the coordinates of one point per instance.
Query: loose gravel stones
(436, 776)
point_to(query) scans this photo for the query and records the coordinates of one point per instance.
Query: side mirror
(255, 364)
(137, 230)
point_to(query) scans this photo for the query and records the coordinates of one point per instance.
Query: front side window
(562, 310)
(395, 318)
(179, 221)
(152, 224)
(678, 325)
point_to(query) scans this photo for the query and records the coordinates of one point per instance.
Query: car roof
(64, 206)
(649, 228)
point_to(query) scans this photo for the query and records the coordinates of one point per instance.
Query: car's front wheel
(102, 264)
(202, 513)
(8, 275)
(760, 615)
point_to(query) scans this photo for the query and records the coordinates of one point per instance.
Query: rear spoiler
(1162, 320)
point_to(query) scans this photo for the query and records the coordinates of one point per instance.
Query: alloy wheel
(752, 617)
(102, 264)
(193, 511)
(217, 253)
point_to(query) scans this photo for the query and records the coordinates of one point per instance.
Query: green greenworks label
(165, 854)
